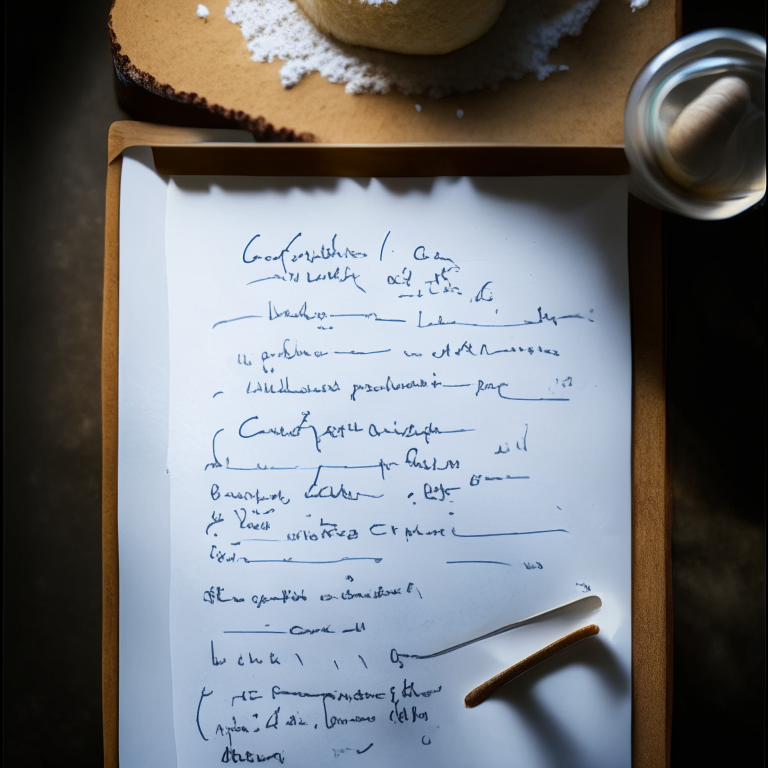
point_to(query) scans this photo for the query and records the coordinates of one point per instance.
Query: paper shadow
(538, 194)
(536, 191)
(403, 186)
(276, 185)
(553, 734)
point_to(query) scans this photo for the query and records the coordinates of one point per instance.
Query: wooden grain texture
(110, 651)
(479, 694)
(166, 49)
(651, 498)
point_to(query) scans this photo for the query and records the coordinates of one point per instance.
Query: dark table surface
(59, 103)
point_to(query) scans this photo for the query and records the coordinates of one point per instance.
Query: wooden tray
(180, 151)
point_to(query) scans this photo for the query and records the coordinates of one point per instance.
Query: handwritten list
(399, 419)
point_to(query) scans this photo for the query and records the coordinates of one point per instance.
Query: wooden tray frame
(183, 151)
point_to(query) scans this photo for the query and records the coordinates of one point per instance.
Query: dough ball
(405, 26)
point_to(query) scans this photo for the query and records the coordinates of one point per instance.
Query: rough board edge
(260, 127)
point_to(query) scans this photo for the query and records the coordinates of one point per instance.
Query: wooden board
(163, 48)
(651, 506)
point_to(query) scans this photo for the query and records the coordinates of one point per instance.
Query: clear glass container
(671, 81)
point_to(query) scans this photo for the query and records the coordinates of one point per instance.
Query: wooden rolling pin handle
(698, 136)
(484, 690)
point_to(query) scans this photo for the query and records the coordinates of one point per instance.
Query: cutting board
(162, 49)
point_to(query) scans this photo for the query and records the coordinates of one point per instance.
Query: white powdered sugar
(518, 44)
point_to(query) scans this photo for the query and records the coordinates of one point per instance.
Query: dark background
(59, 103)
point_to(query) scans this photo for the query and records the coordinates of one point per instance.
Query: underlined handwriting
(399, 419)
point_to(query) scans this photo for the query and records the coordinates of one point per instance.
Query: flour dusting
(518, 44)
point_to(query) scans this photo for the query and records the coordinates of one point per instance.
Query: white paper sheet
(399, 419)
(146, 707)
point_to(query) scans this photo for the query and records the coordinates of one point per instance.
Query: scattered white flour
(203, 12)
(519, 43)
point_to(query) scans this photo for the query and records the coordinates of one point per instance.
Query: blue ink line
(199, 704)
(508, 477)
(489, 562)
(234, 543)
(216, 462)
(497, 325)
(363, 660)
(285, 250)
(363, 751)
(299, 658)
(473, 325)
(381, 252)
(245, 250)
(327, 466)
(536, 399)
(253, 632)
(452, 386)
(264, 469)
(262, 279)
(369, 315)
(514, 533)
(376, 352)
(219, 393)
(235, 319)
(381, 465)
(343, 466)
(313, 562)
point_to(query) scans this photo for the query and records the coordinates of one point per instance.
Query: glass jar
(671, 81)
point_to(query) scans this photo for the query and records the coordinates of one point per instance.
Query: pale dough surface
(405, 26)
